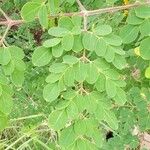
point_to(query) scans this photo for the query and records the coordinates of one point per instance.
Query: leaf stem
(27, 117)
(82, 8)
(5, 34)
(4, 14)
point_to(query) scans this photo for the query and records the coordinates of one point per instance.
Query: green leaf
(57, 119)
(68, 59)
(6, 103)
(37, 1)
(119, 62)
(129, 33)
(20, 65)
(57, 50)
(51, 92)
(17, 77)
(76, 30)
(3, 121)
(145, 49)
(69, 77)
(111, 119)
(110, 54)
(120, 83)
(1, 90)
(16, 52)
(133, 19)
(67, 42)
(3, 79)
(77, 20)
(5, 56)
(9, 68)
(100, 83)
(41, 56)
(113, 40)
(58, 31)
(62, 104)
(53, 77)
(98, 138)
(103, 30)
(77, 45)
(91, 125)
(54, 6)
(112, 74)
(110, 88)
(65, 22)
(80, 72)
(120, 97)
(61, 85)
(72, 110)
(51, 42)
(69, 95)
(147, 73)
(101, 47)
(91, 101)
(143, 12)
(67, 137)
(89, 41)
(118, 50)
(80, 102)
(101, 64)
(80, 127)
(43, 16)
(30, 10)
(8, 89)
(145, 28)
(90, 78)
(71, 2)
(57, 68)
(100, 111)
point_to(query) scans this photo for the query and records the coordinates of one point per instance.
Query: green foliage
(76, 76)
(12, 72)
(72, 77)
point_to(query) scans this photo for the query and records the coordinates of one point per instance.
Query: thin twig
(27, 117)
(85, 18)
(4, 14)
(84, 11)
(5, 34)
(12, 22)
(82, 8)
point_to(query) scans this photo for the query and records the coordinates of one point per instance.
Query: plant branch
(4, 14)
(82, 8)
(5, 34)
(12, 22)
(82, 90)
(83, 12)
(117, 8)
(89, 12)
(27, 117)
